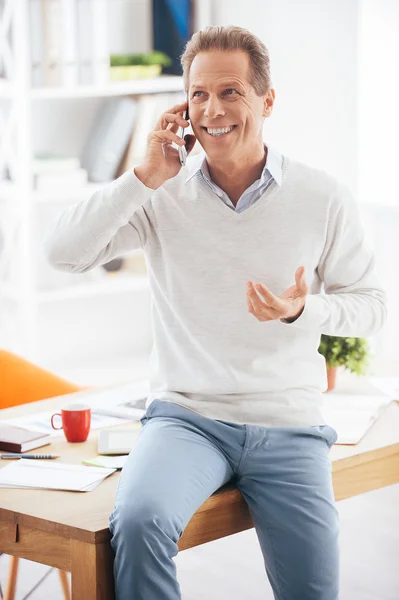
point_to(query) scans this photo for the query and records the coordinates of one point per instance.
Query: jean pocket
(331, 435)
(328, 433)
(148, 413)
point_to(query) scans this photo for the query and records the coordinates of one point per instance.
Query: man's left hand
(269, 307)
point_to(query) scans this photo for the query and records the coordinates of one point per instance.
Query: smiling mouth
(219, 132)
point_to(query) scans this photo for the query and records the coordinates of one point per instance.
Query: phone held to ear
(182, 149)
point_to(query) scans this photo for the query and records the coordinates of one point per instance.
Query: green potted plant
(138, 66)
(350, 352)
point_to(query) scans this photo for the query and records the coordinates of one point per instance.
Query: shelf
(161, 84)
(7, 189)
(7, 89)
(8, 192)
(111, 285)
(71, 195)
(375, 206)
(104, 373)
(9, 292)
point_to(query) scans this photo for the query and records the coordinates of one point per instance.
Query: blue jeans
(181, 458)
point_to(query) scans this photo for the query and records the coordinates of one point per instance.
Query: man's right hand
(162, 160)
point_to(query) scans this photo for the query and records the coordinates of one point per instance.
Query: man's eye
(230, 90)
(195, 93)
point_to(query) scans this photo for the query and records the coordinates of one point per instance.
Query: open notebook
(352, 415)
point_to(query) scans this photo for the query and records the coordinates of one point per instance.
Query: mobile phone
(182, 149)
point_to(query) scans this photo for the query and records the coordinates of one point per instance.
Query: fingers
(172, 115)
(298, 275)
(254, 299)
(166, 137)
(177, 122)
(272, 300)
(177, 108)
(257, 307)
(301, 281)
(249, 303)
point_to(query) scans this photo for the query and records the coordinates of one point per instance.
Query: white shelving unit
(162, 84)
(23, 302)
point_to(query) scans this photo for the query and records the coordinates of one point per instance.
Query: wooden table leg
(11, 584)
(64, 584)
(92, 571)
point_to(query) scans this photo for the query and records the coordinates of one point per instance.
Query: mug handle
(52, 422)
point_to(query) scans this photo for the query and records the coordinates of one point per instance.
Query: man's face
(220, 96)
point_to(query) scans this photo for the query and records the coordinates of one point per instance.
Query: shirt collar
(273, 165)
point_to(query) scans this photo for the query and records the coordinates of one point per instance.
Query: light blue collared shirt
(272, 171)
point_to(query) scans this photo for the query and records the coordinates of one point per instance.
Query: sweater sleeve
(353, 303)
(112, 222)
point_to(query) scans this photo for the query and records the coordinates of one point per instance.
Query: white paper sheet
(35, 474)
(388, 385)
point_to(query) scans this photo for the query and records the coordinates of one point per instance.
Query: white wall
(378, 101)
(378, 151)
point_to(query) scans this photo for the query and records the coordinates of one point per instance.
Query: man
(239, 244)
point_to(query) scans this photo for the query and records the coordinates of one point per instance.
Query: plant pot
(331, 377)
(127, 72)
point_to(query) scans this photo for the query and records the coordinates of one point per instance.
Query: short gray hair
(228, 39)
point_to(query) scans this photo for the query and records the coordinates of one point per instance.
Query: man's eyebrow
(226, 84)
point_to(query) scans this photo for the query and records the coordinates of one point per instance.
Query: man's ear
(268, 103)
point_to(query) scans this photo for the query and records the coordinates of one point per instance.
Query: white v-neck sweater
(210, 354)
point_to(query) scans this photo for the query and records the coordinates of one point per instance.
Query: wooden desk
(69, 530)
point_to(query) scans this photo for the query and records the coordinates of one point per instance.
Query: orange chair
(23, 382)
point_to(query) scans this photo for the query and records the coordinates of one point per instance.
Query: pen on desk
(15, 455)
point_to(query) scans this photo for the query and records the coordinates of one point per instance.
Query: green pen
(29, 455)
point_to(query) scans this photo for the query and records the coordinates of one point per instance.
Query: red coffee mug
(76, 419)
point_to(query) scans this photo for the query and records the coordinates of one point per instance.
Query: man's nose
(213, 108)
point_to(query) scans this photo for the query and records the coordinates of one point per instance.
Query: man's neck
(234, 177)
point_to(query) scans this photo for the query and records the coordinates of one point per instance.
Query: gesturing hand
(289, 305)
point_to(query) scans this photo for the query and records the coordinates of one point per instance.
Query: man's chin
(215, 146)
(219, 154)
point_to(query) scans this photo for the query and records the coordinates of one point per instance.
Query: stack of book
(69, 42)
(20, 439)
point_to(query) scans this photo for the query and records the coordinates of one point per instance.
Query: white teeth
(219, 130)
